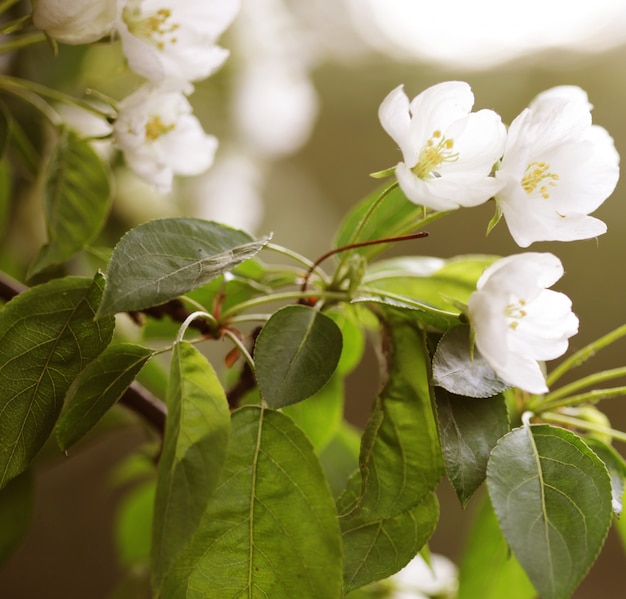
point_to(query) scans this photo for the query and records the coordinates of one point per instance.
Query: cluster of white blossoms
(170, 44)
(546, 174)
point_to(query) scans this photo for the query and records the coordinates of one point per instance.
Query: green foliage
(77, 195)
(162, 259)
(552, 497)
(270, 528)
(192, 458)
(47, 336)
(295, 355)
(97, 388)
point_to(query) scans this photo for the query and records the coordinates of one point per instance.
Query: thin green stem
(587, 381)
(16, 25)
(248, 318)
(408, 301)
(278, 297)
(584, 354)
(240, 346)
(4, 6)
(585, 425)
(310, 265)
(21, 41)
(589, 397)
(15, 85)
(193, 316)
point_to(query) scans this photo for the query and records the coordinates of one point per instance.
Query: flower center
(436, 151)
(157, 27)
(515, 312)
(155, 127)
(538, 175)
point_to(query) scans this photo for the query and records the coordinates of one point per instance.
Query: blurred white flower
(518, 322)
(419, 580)
(448, 151)
(163, 39)
(160, 137)
(556, 169)
(76, 21)
(88, 125)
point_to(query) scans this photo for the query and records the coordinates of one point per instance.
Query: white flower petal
(395, 119)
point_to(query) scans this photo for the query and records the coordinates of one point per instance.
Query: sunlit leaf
(77, 200)
(162, 259)
(47, 336)
(469, 429)
(616, 467)
(488, 569)
(97, 388)
(271, 528)
(295, 355)
(16, 508)
(552, 497)
(462, 372)
(194, 450)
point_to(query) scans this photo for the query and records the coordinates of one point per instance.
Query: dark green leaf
(459, 372)
(400, 459)
(194, 450)
(16, 508)
(77, 201)
(488, 569)
(377, 548)
(616, 467)
(270, 529)
(374, 218)
(162, 259)
(47, 336)
(97, 388)
(552, 497)
(469, 429)
(295, 355)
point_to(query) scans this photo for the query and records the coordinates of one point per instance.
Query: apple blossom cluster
(171, 45)
(546, 174)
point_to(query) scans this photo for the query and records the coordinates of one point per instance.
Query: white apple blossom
(160, 137)
(518, 322)
(163, 39)
(448, 151)
(76, 21)
(556, 169)
(419, 580)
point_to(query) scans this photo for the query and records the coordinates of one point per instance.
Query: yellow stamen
(515, 312)
(436, 151)
(538, 175)
(155, 127)
(156, 27)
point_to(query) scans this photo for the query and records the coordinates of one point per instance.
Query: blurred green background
(69, 552)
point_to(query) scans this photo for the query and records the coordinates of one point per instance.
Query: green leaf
(459, 371)
(47, 336)
(162, 259)
(133, 525)
(193, 455)
(377, 548)
(488, 569)
(270, 529)
(432, 281)
(295, 355)
(374, 218)
(469, 429)
(16, 508)
(78, 197)
(5, 195)
(97, 388)
(340, 457)
(616, 467)
(400, 459)
(552, 497)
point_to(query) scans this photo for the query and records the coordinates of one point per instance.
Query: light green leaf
(616, 467)
(78, 198)
(133, 525)
(47, 336)
(162, 259)
(488, 569)
(97, 388)
(271, 528)
(459, 371)
(376, 219)
(552, 497)
(469, 429)
(400, 459)
(194, 450)
(16, 508)
(295, 355)
(340, 457)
